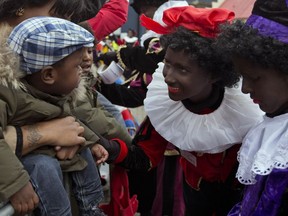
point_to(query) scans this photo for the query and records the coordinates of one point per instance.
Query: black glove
(136, 58)
(112, 147)
(107, 58)
(136, 160)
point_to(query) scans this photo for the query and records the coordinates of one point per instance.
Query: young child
(50, 52)
(90, 77)
(259, 49)
(194, 103)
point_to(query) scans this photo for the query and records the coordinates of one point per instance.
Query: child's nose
(85, 56)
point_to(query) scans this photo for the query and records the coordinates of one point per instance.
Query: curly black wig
(201, 50)
(243, 41)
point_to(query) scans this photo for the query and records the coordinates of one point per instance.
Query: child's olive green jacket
(21, 104)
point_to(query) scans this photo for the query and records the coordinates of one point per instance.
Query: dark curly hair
(201, 50)
(77, 10)
(243, 41)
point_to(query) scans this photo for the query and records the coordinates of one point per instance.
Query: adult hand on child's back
(67, 152)
(25, 200)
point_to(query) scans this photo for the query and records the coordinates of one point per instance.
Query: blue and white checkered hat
(43, 41)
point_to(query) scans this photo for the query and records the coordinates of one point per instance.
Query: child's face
(185, 79)
(69, 73)
(87, 59)
(267, 87)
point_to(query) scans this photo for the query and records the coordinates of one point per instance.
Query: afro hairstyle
(240, 40)
(201, 50)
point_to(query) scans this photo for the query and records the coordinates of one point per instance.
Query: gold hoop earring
(20, 12)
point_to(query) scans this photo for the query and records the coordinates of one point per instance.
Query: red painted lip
(256, 101)
(173, 89)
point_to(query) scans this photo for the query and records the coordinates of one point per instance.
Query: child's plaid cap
(43, 41)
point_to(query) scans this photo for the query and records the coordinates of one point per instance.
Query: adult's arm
(57, 132)
(141, 58)
(110, 17)
(147, 149)
(122, 95)
(13, 177)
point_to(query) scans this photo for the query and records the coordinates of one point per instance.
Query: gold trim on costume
(172, 152)
(120, 62)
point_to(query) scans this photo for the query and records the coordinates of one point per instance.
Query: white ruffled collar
(211, 133)
(130, 39)
(264, 148)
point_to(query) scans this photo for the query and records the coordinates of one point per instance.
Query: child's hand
(25, 200)
(100, 153)
(66, 153)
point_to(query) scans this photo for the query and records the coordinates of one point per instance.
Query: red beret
(204, 21)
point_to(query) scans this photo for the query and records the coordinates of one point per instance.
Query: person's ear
(49, 75)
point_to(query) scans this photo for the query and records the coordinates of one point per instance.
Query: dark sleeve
(136, 159)
(147, 149)
(136, 58)
(112, 146)
(122, 95)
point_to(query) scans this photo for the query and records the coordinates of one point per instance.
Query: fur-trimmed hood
(10, 72)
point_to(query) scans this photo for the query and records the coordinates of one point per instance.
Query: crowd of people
(214, 89)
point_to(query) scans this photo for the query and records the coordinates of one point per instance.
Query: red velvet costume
(112, 15)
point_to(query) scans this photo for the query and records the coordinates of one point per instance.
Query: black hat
(270, 17)
(276, 10)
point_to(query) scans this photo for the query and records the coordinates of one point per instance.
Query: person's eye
(166, 63)
(183, 70)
